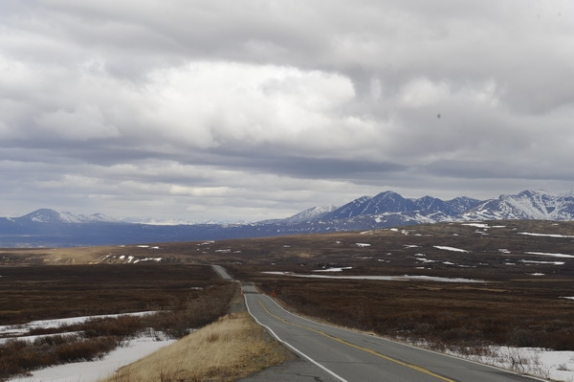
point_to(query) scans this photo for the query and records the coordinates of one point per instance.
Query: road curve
(350, 356)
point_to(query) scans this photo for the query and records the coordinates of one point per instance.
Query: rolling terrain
(517, 274)
(459, 285)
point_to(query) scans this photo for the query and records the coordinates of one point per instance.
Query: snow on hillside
(311, 213)
(45, 215)
(525, 205)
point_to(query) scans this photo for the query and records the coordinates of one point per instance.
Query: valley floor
(551, 365)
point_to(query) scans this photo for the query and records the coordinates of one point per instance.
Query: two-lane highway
(352, 356)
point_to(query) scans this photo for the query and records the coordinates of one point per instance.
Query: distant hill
(50, 228)
(45, 215)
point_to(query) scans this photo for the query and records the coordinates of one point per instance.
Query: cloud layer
(225, 110)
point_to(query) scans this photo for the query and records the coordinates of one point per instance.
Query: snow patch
(56, 323)
(546, 235)
(339, 269)
(96, 370)
(547, 364)
(550, 254)
(452, 249)
(425, 260)
(30, 339)
(477, 225)
(542, 262)
(381, 278)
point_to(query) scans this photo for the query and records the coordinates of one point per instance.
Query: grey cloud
(314, 168)
(178, 94)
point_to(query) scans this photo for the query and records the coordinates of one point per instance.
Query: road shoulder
(298, 370)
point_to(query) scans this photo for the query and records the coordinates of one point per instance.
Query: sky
(256, 109)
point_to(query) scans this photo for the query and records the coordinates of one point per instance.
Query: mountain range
(49, 228)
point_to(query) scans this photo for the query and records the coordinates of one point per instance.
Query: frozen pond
(379, 278)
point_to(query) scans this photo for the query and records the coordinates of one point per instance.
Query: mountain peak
(47, 215)
(310, 214)
(388, 194)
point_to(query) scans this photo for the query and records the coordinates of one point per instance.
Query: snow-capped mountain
(390, 203)
(525, 205)
(307, 215)
(47, 227)
(45, 215)
(311, 214)
(389, 208)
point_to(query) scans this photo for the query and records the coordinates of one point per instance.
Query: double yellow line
(367, 350)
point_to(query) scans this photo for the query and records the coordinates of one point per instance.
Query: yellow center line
(370, 351)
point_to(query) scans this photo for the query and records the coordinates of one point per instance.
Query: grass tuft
(231, 348)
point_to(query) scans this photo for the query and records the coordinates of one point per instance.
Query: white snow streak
(381, 278)
(452, 249)
(546, 235)
(550, 254)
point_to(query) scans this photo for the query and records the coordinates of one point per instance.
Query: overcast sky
(256, 109)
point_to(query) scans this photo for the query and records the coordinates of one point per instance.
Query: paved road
(221, 272)
(350, 356)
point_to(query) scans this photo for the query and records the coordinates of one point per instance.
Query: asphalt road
(221, 272)
(351, 356)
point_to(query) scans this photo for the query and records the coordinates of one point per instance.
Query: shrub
(85, 350)
(102, 335)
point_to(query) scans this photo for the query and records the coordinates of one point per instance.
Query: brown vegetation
(184, 308)
(40, 292)
(231, 348)
(520, 303)
(447, 315)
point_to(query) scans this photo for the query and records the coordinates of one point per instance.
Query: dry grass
(231, 348)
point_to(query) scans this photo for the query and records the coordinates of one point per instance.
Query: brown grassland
(520, 301)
